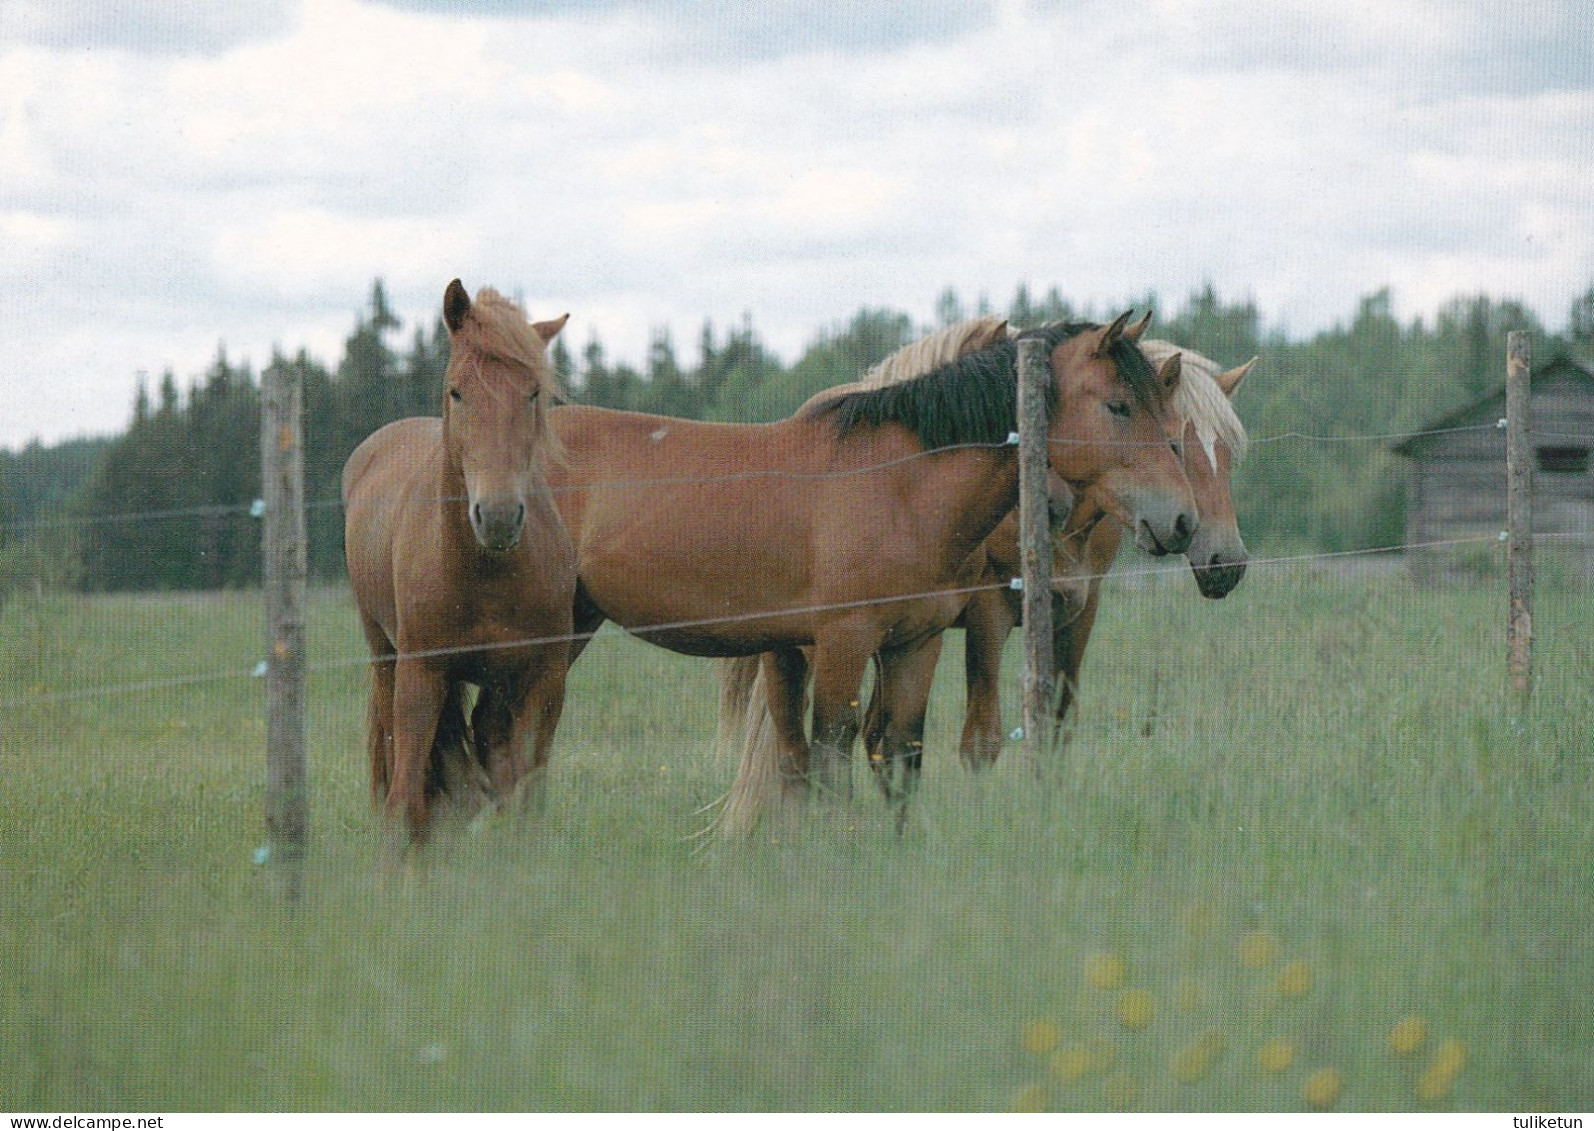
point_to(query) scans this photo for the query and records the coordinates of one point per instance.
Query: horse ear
(1138, 330)
(1168, 372)
(456, 305)
(1110, 335)
(549, 329)
(1229, 380)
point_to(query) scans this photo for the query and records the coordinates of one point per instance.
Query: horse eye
(454, 395)
(1178, 448)
(533, 398)
(1119, 408)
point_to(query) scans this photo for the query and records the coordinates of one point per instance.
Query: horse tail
(759, 780)
(738, 676)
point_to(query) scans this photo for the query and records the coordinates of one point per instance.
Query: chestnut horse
(1211, 440)
(854, 528)
(1209, 435)
(461, 567)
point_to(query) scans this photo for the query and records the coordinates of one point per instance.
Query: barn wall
(1456, 485)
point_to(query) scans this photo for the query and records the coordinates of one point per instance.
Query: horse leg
(1070, 636)
(786, 695)
(538, 717)
(379, 727)
(987, 620)
(456, 768)
(904, 693)
(512, 712)
(419, 692)
(839, 662)
(873, 718)
(1072, 621)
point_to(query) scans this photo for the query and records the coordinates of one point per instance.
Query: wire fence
(1126, 573)
(1133, 570)
(254, 508)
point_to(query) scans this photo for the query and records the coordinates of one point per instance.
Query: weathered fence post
(1035, 547)
(285, 569)
(1519, 513)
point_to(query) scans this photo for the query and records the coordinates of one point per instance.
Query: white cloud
(244, 177)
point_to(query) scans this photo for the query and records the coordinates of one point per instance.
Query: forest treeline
(165, 505)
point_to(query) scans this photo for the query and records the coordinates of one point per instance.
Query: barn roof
(1488, 408)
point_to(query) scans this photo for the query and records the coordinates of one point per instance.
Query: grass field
(1289, 821)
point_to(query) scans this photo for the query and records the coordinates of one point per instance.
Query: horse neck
(452, 499)
(969, 490)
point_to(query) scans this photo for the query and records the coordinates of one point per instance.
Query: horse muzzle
(498, 525)
(1165, 533)
(1217, 577)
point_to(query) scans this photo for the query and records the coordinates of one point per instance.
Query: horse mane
(940, 348)
(1199, 400)
(496, 327)
(974, 399)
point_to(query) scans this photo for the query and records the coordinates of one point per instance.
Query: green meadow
(1302, 851)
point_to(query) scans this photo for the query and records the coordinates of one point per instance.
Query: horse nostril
(520, 516)
(476, 515)
(1181, 527)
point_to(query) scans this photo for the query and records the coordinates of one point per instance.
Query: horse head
(1211, 440)
(495, 424)
(1109, 432)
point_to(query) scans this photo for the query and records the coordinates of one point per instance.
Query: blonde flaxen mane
(1200, 400)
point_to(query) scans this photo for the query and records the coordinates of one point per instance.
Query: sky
(177, 178)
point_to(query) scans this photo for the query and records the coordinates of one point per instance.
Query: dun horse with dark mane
(462, 568)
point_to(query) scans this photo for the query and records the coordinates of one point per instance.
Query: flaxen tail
(761, 780)
(737, 676)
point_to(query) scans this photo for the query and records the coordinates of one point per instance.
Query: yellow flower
(1296, 979)
(1105, 970)
(1448, 1061)
(1408, 1035)
(1072, 1062)
(1323, 1087)
(1135, 1009)
(1038, 1036)
(1194, 1060)
(1276, 1056)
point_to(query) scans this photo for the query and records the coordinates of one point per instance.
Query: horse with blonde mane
(1085, 541)
(462, 569)
(1211, 440)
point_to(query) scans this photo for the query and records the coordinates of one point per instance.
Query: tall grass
(1300, 815)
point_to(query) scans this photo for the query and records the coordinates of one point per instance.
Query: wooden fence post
(285, 569)
(1035, 547)
(1519, 513)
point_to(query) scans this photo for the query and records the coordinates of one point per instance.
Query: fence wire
(254, 508)
(251, 667)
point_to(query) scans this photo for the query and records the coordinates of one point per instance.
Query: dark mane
(974, 400)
